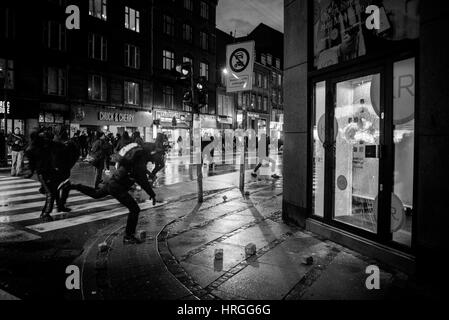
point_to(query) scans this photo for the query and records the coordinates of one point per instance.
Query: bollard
(218, 254)
(225, 198)
(250, 250)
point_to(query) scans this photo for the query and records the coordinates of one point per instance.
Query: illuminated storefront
(351, 114)
(109, 120)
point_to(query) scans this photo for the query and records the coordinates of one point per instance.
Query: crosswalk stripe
(16, 192)
(66, 223)
(9, 178)
(21, 181)
(22, 206)
(36, 214)
(16, 186)
(36, 196)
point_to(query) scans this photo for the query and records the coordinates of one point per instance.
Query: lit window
(132, 93)
(168, 62)
(97, 9)
(132, 19)
(204, 70)
(97, 88)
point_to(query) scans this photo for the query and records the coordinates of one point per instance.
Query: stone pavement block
(232, 255)
(183, 243)
(261, 281)
(261, 234)
(202, 275)
(293, 251)
(344, 279)
(228, 224)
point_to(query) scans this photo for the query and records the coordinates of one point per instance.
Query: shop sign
(116, 117)
(208, 121)
(253, 115)
(225, 120)
(167, 116)
(2, 107)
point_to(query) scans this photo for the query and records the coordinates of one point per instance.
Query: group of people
(52, 157)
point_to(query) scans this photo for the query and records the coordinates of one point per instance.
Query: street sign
(240, 65)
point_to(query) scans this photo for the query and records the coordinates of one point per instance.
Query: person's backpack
(128, 154)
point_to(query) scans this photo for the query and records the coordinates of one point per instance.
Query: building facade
(183, 31)
(264, 102)
(114, 74)
(94, 78)
(365, 113)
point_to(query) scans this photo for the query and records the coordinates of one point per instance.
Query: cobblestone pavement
(177, 260)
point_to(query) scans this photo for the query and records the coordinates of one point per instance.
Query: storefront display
(340, 32)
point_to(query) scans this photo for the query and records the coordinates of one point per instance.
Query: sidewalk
(177, 260)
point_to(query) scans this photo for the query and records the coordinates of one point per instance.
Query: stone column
(295, 111)
(432, 190)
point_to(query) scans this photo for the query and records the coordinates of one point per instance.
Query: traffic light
(201, 87)
(184, 71)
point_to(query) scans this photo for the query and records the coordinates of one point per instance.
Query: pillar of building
(295, 111)
(432, 187)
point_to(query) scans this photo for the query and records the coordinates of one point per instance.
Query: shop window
(132, 56)
(168, 62)
(55, 81)
(97, 47)
(357, 161)
(97, 9)
(132, 93)
(54, 35)
(404, 142)
(319, 122)
(97, 89)
(169, 26)
(132, 19)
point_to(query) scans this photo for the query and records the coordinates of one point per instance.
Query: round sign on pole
(239, 60)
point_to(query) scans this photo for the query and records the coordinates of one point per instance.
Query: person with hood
(99, 153)
(137, 138)
(118, 186)
(123, 142)
(18, 144)
(42, 156)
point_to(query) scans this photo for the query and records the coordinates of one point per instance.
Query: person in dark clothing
(109, 150)
(18, 144)
(119, 185)
(98, 152)
(124, 141)
(161, 147)
(137, 138)
(83, 144)
(44, 159)
(263, 157)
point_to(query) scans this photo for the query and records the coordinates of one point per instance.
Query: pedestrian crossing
(21, 205)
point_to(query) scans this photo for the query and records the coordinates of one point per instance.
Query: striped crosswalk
(21, 205)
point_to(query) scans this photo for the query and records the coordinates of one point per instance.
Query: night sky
(244, 15)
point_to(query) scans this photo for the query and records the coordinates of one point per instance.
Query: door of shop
(363, 151)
